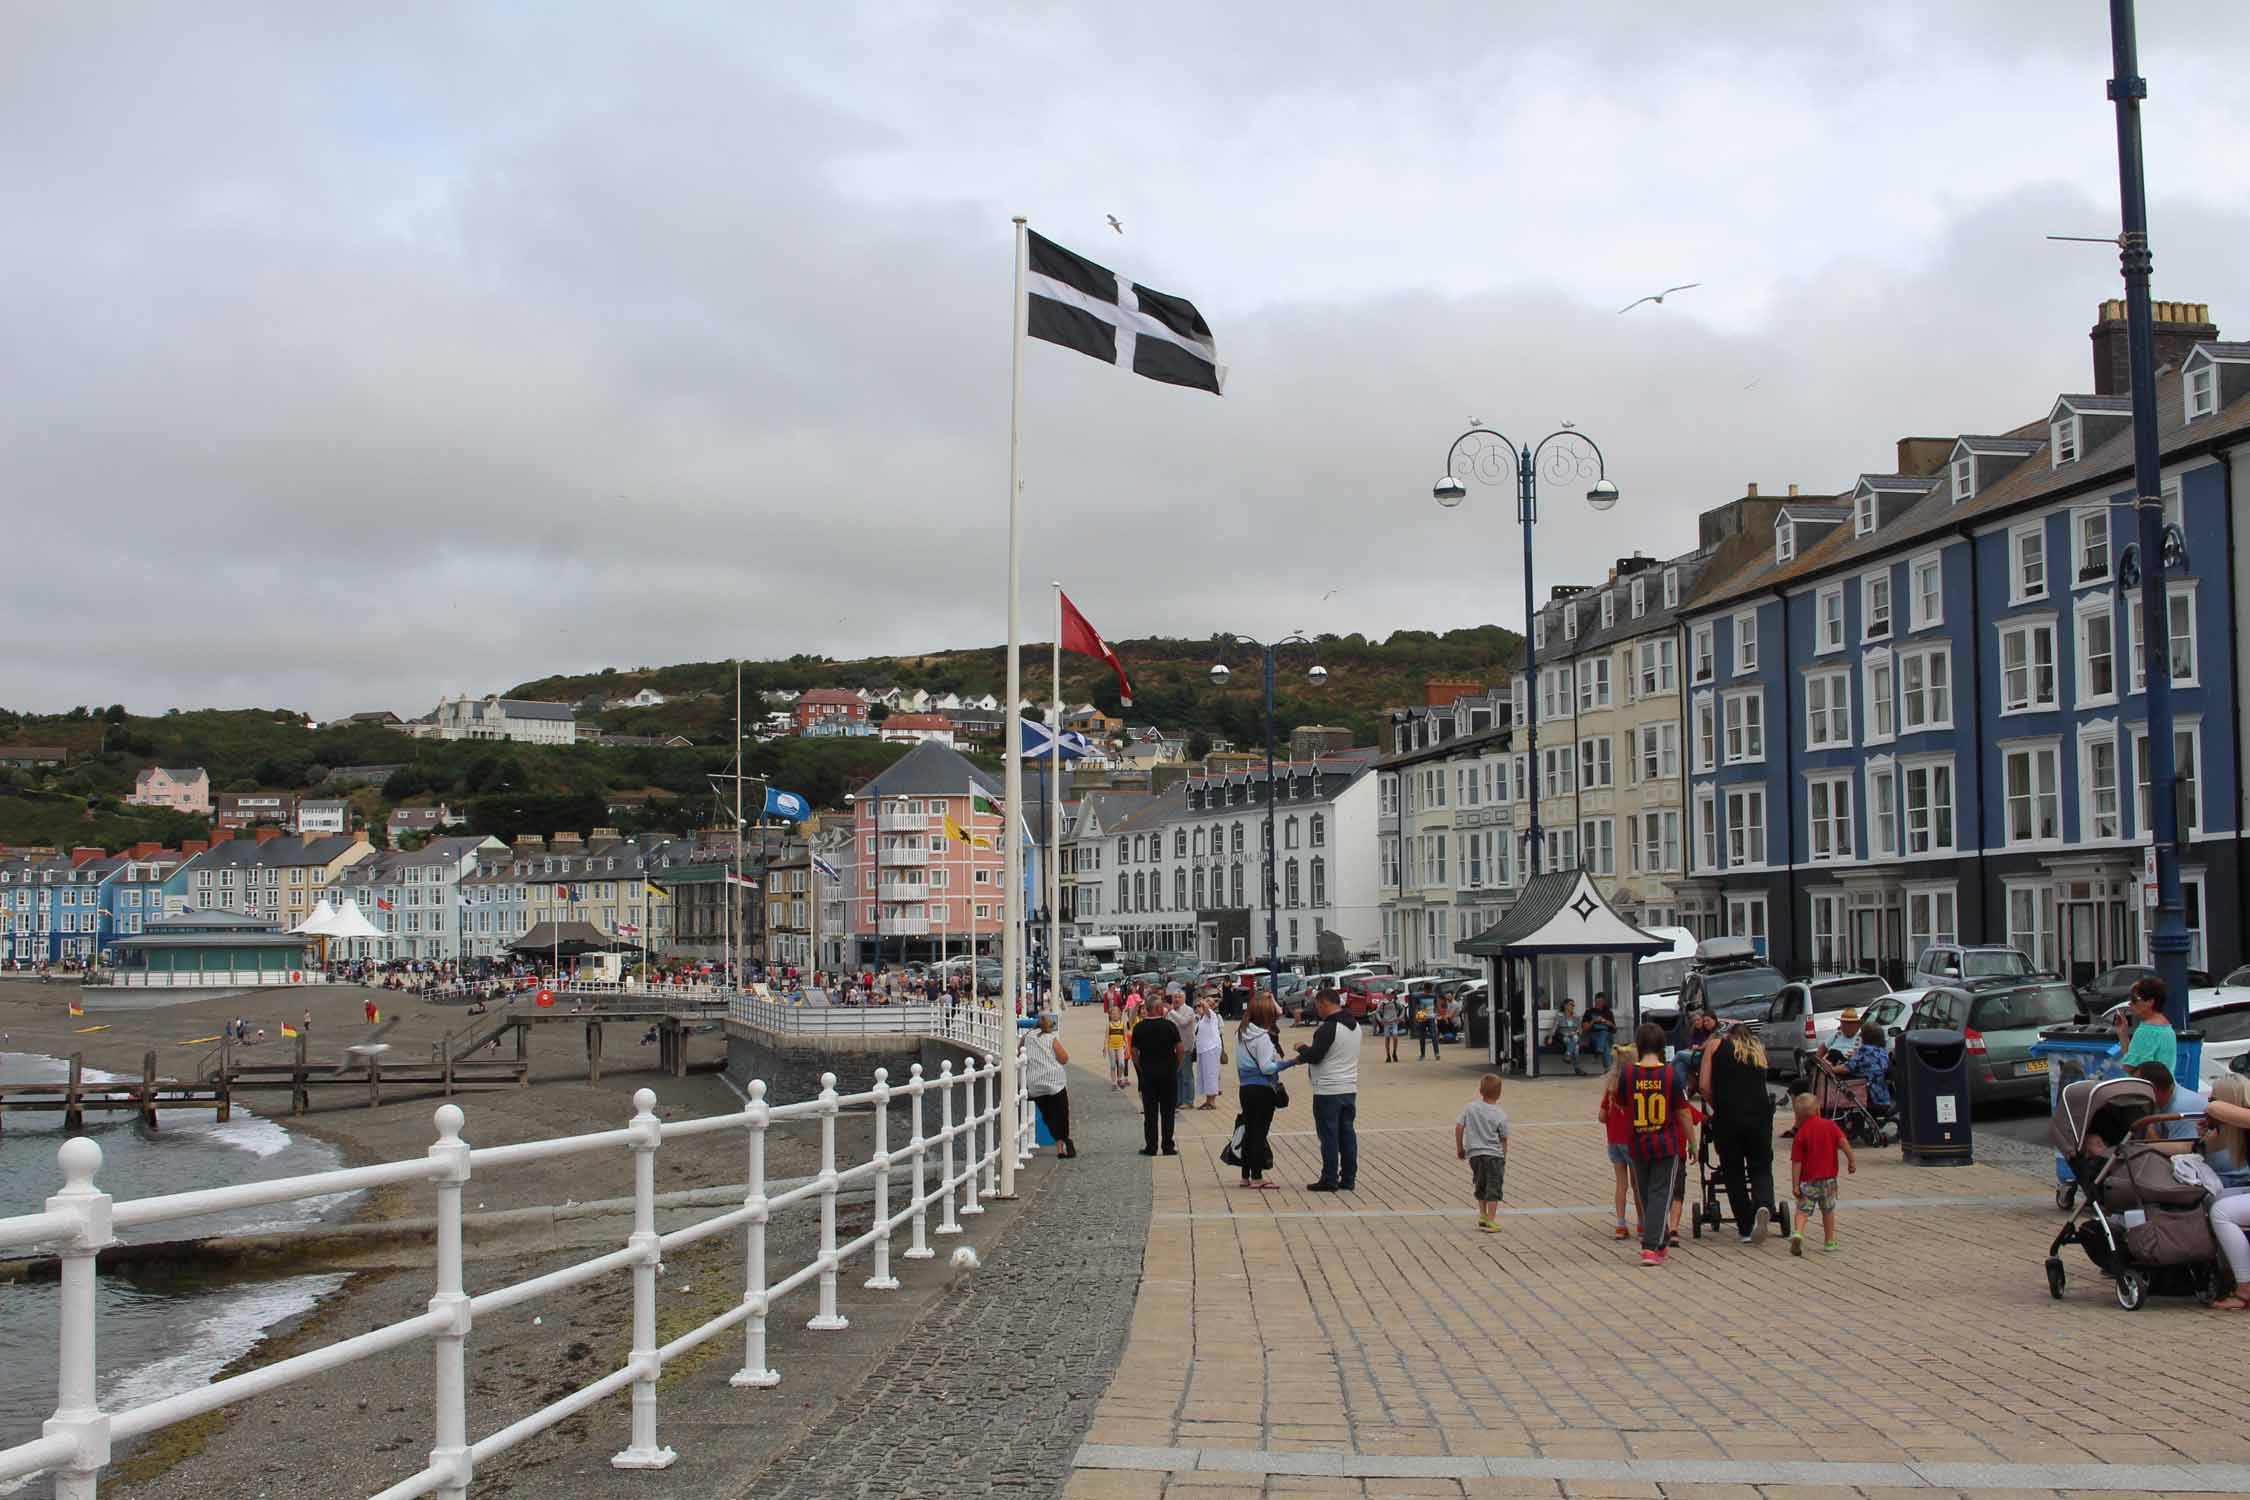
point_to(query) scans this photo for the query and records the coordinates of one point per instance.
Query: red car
(1362, 991)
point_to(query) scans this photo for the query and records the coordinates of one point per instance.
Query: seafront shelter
(212, 948)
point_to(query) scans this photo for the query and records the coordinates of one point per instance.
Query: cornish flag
(1086, 307)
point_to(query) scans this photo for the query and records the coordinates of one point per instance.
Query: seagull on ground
(1659, 296)
(1113, 223)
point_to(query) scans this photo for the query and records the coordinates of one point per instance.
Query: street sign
(2148, 877)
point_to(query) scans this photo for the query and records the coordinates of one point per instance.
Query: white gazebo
(1559, 915)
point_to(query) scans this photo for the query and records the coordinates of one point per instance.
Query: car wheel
(2132, 1289)
(2055, 1277)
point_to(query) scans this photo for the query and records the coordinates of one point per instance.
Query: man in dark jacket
(1157, 1052)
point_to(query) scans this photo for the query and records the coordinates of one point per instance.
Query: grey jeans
(1654, 1175)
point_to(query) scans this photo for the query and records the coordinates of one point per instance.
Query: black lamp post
(1317, 675)
(2159, 547)
(1564, 454)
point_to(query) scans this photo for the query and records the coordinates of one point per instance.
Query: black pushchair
(1711, 1189)
(2139, 1224)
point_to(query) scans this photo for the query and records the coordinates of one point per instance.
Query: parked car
(2222, 1014)
(1803, 1017)
(1895, 1012)
(2001, 1023)
(1730, 980)
(1944, 961)
(1361, 991)
(2111, 986)
(1662, 975)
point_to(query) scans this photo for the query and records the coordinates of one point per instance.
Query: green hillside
(1171, 682)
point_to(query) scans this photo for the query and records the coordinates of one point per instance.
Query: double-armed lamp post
(1316, 674)
(1565, 454)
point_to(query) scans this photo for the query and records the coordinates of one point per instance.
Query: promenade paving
(1376, 1344)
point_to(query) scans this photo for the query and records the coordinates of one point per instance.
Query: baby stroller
(1846, 1099)
(2139, 1224)
(1711, 1211)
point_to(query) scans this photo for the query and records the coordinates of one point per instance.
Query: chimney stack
(2178, 327)
(1751, 492)
(265, 833)
(1792, 491)
(190, 848)
(82, 854)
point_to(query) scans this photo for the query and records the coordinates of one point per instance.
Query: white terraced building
(493, 718)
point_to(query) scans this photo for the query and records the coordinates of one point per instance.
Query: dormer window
(1539, 632)
(1671, 588)
(1640, 597)
(1863, 513)
(1964, 478)
(2062, 438)
(1570, 622)
(2202, 388)
(1609, 609)
(1784, 540)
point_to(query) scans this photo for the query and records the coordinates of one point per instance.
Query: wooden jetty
(143, 1096)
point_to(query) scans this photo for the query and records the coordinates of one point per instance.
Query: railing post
(970, 1096)
(78, 1414)
(1027, 1136)
(647, 1136)
(449, 1449)
(946, 1222)
(827, 1317)
(882, 1280)
(755, 1372)
(920, 1248)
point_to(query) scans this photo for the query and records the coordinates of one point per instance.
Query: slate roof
(529, 708)
(931, 770)
(1524, 927)
(2032, 483)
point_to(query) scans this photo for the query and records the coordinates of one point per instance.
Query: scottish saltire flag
(1092, 309)
(788, 806)
(1039, 742)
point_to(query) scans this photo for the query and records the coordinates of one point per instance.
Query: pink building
(183, 789)
(921, 894)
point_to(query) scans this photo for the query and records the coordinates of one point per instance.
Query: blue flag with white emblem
(788, 806)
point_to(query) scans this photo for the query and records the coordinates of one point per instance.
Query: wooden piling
(148, 1089)
(445, 1063)
(300, 1093)
(374, 1079)
(74, 1115)
(593, 1052)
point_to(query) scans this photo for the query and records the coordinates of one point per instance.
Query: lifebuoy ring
(296, 976)
(546, 997)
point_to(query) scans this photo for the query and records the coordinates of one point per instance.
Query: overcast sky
(361, 353)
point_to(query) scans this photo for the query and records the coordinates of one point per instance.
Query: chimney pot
(2177, 328)
(1752, 490)
(1792, 489)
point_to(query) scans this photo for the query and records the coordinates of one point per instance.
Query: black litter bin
(1930, 1076)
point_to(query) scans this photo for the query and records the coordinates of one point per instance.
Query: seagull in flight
(1324, 598)
(1660, 296)
(1113, 223)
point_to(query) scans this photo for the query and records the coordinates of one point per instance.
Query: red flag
(1080, 636)
(381, 904)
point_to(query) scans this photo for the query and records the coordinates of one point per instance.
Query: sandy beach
(356, 1431)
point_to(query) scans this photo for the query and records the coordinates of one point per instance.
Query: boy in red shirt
(1812, 1171)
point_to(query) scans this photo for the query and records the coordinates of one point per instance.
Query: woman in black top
(1733, 1084)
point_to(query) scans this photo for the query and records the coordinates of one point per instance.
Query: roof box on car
(1719, 950)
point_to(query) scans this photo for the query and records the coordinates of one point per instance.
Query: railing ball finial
(644, 1101)
(757, 1091)
(449, 1122)
(79, 1159)
(827, 1083)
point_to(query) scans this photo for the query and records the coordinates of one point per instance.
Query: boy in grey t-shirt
(1480, 1138)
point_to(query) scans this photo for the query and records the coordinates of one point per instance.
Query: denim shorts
(1621, 1156)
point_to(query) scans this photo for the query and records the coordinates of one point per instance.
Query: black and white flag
(1086, 307)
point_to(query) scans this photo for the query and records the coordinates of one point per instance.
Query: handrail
(79, 1221)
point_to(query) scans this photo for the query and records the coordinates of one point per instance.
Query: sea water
(158, 1334)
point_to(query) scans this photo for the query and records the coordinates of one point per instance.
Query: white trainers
(1761, 1226)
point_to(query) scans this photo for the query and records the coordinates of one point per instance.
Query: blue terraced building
(1917, 716)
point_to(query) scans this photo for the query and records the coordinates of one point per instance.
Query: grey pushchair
(2138, 1223)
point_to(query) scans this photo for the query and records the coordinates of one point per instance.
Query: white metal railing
(79, 1221)
(608, 989)
(195, 979)
(977, 1027)
(902, 926)
(901, 822)
(904, 857)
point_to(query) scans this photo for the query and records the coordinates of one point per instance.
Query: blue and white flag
(1039, 742)
(788, 806)
(827, 869)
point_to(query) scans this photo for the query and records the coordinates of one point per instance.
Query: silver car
(1803, 1017)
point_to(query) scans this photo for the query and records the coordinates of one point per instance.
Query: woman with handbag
(1258, 1066)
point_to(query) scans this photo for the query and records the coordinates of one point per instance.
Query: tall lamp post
(1564, 454)
(1316, 674)
(2158, 547)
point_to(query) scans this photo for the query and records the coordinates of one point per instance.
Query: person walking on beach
(1331, 1062)
(1654, 1107)
(306, 1028)
(1158, 1055)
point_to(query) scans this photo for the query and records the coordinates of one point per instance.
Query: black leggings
(1055, 1110)
(1745, 1165)
(1257, 1122)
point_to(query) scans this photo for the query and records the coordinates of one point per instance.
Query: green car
(2001, 1021)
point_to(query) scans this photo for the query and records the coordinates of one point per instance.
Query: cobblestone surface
(992, 1389)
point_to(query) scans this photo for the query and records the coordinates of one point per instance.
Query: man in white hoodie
(1331, 1062)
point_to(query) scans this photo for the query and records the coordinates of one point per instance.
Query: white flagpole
(1054, 825)
(1011, 940)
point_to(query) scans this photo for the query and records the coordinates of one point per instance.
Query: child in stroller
(2142, 1223)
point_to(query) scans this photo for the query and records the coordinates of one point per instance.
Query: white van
(1660, 975)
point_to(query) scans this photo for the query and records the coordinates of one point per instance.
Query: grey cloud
(357, 358)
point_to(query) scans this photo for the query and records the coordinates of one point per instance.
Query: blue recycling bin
(2188, 1068)
(2072, 1053)
(1082, 990)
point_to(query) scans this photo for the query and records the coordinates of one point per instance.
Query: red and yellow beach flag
(287, 1029)
(76, 1009)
